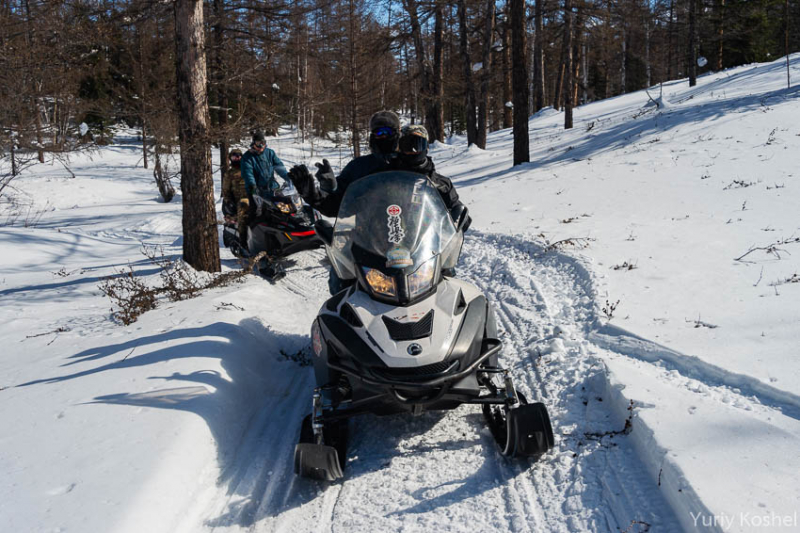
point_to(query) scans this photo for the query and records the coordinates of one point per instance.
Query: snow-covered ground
(617, 262)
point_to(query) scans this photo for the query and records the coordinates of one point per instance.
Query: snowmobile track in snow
(443, 470)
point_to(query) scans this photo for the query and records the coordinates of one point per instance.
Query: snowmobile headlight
(283, 207)
(422, 278)
(380, 282)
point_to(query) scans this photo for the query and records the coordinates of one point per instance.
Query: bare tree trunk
(483, 103)
(162, 177)
(647, 65)
(436, 121)
(519, 81)
(142, 96)
(558, 95)
(36, 89)
(578, 50)
(670, 31)
(786, 47)
(427, 90)
(353, 81)
(200, 237)
(568, 92)
(508, 112)
(623, 63)
(14, 170)
(469, 97)
(692, 57)
(538, 56)
(144, 142)
(607, 52)
(721, 32)
(222, 94)
(585, 72)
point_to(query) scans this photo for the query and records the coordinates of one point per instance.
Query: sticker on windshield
(396, 232)
(398, 257)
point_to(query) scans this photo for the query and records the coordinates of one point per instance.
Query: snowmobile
(284, 225)
(405, 336)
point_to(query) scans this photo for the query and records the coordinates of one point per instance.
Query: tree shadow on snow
(247, 382)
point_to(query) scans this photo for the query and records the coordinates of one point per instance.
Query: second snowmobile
(284, 226)
(405, 336)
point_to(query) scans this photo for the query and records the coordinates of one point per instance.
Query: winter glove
(228, 208)
(467, 224)
(304, 182)
(258, 207)
(460, 216)
(326, 177)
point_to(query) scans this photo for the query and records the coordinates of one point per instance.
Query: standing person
(259, 165)
(384, 135)
(234, 195)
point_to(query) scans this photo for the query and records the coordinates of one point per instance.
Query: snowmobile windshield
(397, 219)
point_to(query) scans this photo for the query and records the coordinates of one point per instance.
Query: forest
(69, 70)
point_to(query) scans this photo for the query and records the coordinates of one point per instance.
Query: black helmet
(413, 144)
(384, 129)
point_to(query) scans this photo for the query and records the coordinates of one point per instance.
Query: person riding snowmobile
(413, 156)
(234, 196)
(326, 193)
(259, 165)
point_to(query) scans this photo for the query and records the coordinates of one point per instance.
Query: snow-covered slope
(186, 419)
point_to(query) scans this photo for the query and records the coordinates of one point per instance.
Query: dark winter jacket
(374, 163)
(442, 183)
(354, 170)
(258, 172)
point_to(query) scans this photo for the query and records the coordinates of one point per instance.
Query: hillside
(644, 268)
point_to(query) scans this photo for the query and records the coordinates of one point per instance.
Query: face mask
(414, 160)
(386, 145)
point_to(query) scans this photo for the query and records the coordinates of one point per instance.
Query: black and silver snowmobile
(405, 336)
(284, 226)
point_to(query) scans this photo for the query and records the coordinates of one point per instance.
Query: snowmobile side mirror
(460, 215)
(324, 231)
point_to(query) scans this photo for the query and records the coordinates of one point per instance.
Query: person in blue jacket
(259, 165)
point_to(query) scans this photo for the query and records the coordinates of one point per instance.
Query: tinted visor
(413, 144)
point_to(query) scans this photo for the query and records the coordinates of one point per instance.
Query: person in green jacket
(235, 204)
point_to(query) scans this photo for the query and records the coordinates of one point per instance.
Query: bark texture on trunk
(469, 89)
(692, 56)
(519, 80)
(354, 83)
(483, 103)
(538, 56)
(568, 89)
(508, 112)
(200, 238)
(435, 118)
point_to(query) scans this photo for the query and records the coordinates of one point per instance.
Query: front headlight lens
(380, 282)
(283, 207)
(422, 278)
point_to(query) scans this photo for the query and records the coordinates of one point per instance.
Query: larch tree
(200, 238)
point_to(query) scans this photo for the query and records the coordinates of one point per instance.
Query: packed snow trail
(442, 470)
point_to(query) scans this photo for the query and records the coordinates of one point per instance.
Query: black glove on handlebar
(228, 208)
(326, 177)
(304, 182)
(258, 206)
